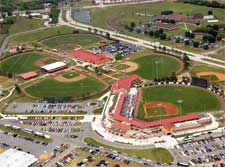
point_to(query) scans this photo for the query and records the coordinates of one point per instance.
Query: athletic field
(156, 66)
(78, 39)
(52, 88)
(21, 63)
(186, 99)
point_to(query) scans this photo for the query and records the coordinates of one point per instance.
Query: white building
(15, 158)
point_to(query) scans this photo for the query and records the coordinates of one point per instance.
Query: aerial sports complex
(132, 112)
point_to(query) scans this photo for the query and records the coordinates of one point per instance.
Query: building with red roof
(28, 75)
(125, 82)
(166, 26)
(90, 57)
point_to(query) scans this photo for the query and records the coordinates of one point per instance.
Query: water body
(82, 16)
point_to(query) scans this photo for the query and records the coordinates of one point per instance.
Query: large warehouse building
(53, 67)
(15, 158)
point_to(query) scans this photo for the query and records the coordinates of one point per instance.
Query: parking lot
(208, 150)
(119, 47)
(75, 108)
(86, 157)
(66, 128)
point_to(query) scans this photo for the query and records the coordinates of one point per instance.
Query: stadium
(131, 111)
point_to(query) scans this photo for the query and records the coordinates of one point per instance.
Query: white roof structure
(53, 66)
(15, 158)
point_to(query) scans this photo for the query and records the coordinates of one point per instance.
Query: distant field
(41, 34)
(161, 155)
(21, 63)
(156, 66)
(53, 88)
(126, 13)
(79, 39)
(194, 99)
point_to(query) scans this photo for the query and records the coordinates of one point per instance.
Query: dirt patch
(41, 62)
(220, 76)
(61, 78)
(132, 66)
(5, 82)
(169, 108)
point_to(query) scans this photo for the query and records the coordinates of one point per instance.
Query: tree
(107, 35)
(187, 34)
(205, 38)
(210, 12)
(132, 24)
(192, 35)
(118, 56)
(17, 88)
(10, 75)
(196, 44)
(151, 33)
(186, 42)
(205, 47)
(211, 39)
(162, 36)
(75, 31)
(138, 31)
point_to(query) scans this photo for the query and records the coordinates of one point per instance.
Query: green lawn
(98, 111)
(21, 63)
(155, 154)
(41, 34)
(53, 88)
(24, 24)
(194, 99)
(80, 39)
(156, 66)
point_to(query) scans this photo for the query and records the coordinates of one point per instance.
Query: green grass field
(156, 66)
(41, 34)
(121, 66)
(53, 88)
(70, 75)
(210, 77)
(80, 39)
(124, 14)
(21, 63)
(194, 99)
(159, 111)
(161, 155)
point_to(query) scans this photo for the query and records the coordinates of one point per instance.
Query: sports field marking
(132, 66)
(61, 78)
(220, 76)
(43, 61)
(110, 76)
(153, 109)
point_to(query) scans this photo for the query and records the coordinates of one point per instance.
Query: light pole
(156, 68)
(180, 101)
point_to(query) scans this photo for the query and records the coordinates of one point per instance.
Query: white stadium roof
(53, 66)
(15, 158)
